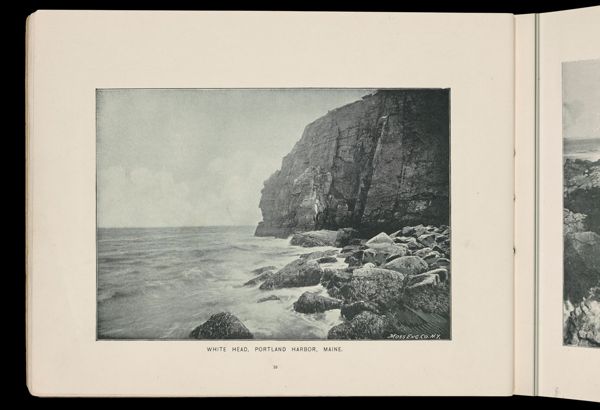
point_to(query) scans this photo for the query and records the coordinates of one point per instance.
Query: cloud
(227, 192)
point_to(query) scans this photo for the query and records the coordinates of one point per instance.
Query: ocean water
(588, 149)
(160, 283)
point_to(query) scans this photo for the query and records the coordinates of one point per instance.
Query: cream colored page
(524, 202)
(74, 53)
(564, 371)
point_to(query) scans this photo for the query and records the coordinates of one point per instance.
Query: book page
(171, 154)
(524, 203)
(569, 147)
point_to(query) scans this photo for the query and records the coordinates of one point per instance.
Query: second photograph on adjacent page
(277, 214)
(581, 163)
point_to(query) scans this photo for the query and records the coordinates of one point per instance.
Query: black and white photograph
(276, 214)
(581, 154)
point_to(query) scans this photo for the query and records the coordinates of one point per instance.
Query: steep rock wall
(377, 164)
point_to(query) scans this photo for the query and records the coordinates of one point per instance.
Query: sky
(193, 157)
(581, 99)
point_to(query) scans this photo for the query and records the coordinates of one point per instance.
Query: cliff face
(377, 164)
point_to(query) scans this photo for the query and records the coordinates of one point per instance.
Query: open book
(276, 203)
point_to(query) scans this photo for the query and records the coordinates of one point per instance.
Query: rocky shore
(390, 286)
(581, 312)
(370, 181)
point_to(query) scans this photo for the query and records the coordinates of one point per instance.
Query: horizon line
(172, 226)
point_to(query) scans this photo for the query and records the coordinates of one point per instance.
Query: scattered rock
(300, 272)
(311, 302)
(222, 325)
(268, 298)
(408, 265)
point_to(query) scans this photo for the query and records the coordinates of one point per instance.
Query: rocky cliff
(377, 164)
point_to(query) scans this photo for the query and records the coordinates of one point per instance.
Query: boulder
(379, 255)
(427, 239)
(336, 281)
(348, 250)
(408, 265)
(439, 238)
(327, 259)
(380, 240)
(356, 259)
(344, 236)
(441, 263)
(369, 265)
(314, 238)
(419, 230)
(311, 302)
(350, 310)
(222, 325)
(423, 279)
(432, 257)
(442, 273)
(268, 298)
(300, 272)
(429, 299)
(319, 254)
(381, 286)
(421, 253)
(365, 325)
(413, 244)
(408, 231)
(260, 278)
(328, 274)
(258, 271)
